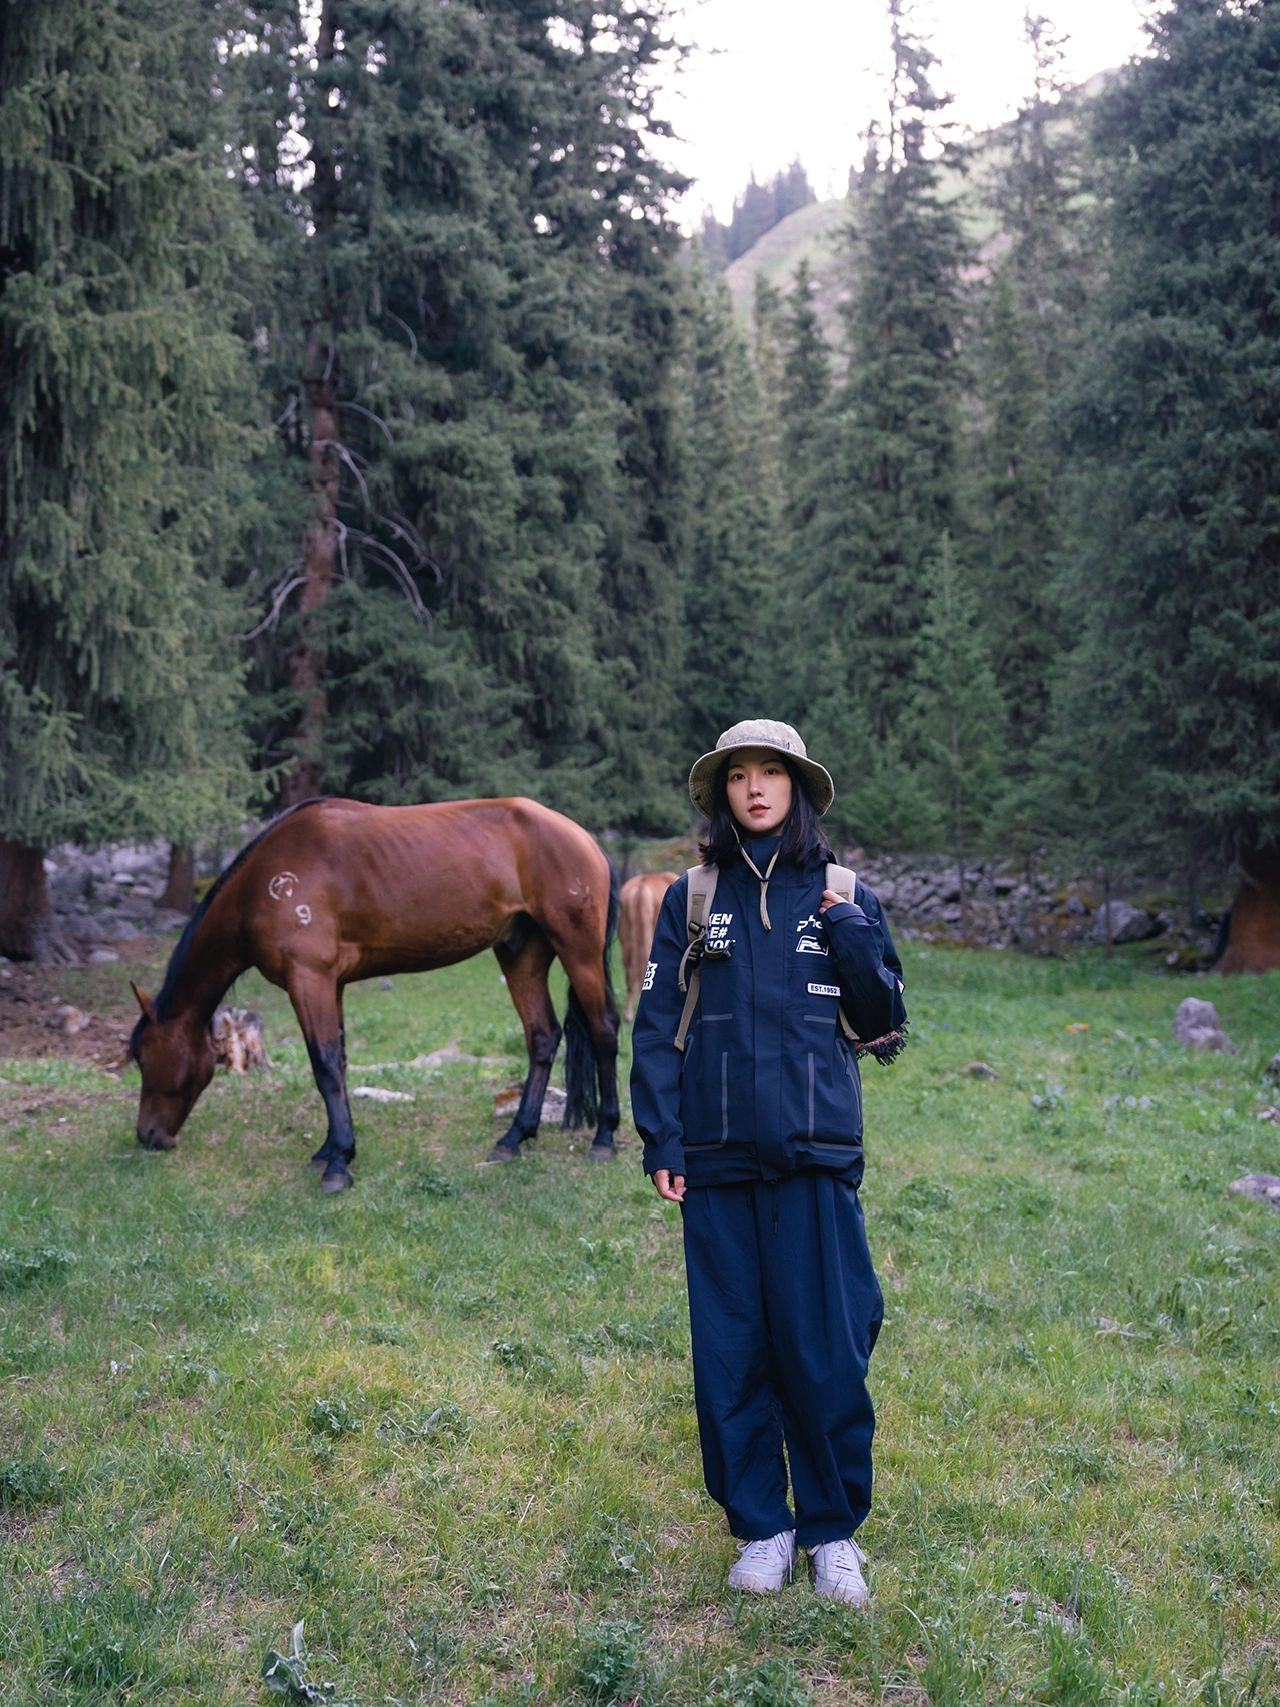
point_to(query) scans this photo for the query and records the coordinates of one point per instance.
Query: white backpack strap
(698, 898)
(844, 882)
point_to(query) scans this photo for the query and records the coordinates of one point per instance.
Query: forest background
(370, 428)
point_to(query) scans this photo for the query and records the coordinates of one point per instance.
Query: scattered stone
(72, 1020)
(237, 1040)
(385, 984)
(505, 1104)
(1128, 923)
(1272, 1068)
(1271, 1114)
(375, 1093)
(1196, 1024)
(979, 1070)
(1264, 1187)
(1048, 1613)
(102, 956)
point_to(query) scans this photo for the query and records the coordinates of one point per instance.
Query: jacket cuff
(669, 1155)
(843, 910)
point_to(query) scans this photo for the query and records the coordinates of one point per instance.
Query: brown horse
(640, 900)
(333, 891)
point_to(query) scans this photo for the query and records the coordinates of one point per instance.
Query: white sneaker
(764, 1566)
(837, 1572)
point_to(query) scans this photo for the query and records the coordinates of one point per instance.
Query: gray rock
(1196, 1024)
(1264, 1187)
(1128, 923)
(102, 956)
(1272, 1068)
(1075, 906)
(980, 1070)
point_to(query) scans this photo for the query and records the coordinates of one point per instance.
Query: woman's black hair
(803, 837)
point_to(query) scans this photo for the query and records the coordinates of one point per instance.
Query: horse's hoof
(338, 1180)
(601, 1153)
(502, 1153)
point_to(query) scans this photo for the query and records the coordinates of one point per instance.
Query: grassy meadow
(445, 1421)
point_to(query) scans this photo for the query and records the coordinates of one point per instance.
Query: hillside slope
(815, 233)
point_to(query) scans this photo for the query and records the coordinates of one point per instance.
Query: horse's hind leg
(599, 1011)
(317, 1001)
(525, 969)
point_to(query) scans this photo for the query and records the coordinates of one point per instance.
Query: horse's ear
(144, 1002)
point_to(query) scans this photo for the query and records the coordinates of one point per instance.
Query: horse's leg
(587, 976)
(317, 1001)
(525, 970)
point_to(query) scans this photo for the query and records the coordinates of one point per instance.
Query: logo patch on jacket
(718, 928)
(825, 990)
(809, 942)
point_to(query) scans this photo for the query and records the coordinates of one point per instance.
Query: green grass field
(446, 1419)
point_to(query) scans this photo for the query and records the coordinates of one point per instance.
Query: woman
(755, 1130)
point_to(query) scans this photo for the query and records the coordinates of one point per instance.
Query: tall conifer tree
(731, 585)
(119, 446)
(890, 440)
(1176, 682)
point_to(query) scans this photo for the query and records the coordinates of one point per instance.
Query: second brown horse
(334, 891)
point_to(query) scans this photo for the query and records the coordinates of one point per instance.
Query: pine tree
(489, 278)
(891, 452)
(1029, 328)
(126, 420)
(730, 582)
(958, 719)
(1176, 681)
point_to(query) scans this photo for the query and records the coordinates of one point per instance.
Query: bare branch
(273, 615)
(345, 454)
(402, 573)
(413, 342)
(376, 419)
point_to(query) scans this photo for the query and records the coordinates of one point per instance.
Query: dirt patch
(34, 1001)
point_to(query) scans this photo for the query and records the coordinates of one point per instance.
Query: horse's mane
(178, 959)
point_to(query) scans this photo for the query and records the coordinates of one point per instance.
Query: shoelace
(844, 1556)
(762, 1552)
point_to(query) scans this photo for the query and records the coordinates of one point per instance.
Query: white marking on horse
(282, 885)
(304, 913)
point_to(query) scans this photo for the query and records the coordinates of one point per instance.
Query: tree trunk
(308, 667)
(26, 913)
(180, 888)
(1253, 940)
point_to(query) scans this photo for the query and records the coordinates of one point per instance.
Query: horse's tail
(582, 1104)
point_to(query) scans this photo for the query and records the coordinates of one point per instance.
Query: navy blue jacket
(767, 1083)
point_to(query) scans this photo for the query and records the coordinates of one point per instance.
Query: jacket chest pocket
(704, 1101)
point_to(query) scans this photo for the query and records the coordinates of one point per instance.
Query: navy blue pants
(785, 1308)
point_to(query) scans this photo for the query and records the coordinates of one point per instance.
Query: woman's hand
(669, 1185)
(829, 899)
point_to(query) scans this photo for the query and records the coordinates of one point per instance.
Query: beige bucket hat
(760, 732)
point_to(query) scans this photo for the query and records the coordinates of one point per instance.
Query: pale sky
(803, 77)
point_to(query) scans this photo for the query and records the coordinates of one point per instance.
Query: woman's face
(759, 787)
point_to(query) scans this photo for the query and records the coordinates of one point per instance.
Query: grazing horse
(641, 899)
(333, 891)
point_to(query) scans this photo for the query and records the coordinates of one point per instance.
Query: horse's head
(176, 1060)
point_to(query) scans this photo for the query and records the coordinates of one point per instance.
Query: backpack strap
(844, 882)
(702, 888)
